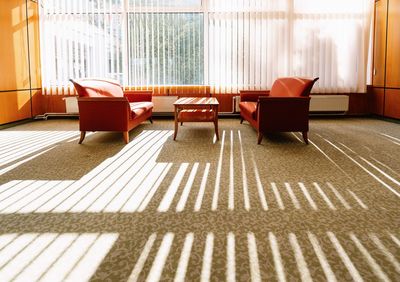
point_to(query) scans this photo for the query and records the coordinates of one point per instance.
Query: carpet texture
(199, 209)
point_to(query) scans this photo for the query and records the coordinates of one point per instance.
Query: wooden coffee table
(196, 110)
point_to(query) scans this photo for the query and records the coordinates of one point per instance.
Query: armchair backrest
(91, 87)
(292, 87)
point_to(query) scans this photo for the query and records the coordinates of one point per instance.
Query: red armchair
(103, 106)
(284, 108)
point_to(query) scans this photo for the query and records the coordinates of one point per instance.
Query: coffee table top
(200, 101)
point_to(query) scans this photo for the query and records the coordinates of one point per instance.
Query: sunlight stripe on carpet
(202, 189)
(173, 188)
(244, 176)
(184, 258)
(214, 204)
(161, 257)
(339, 196)
(324, 196)
(326, 268)
(300, 260)
(371, 261)
(188, 187)
(277, 195)
(253, 258)
(134, 276)
(389, 256)
(308, 196)
(207, 258)
(231, 193)
(260, 187)
(345, 258)
(292, 196)
(276, 255)
(230, 258)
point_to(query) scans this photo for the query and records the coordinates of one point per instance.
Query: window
(227, 44)
(166, 48)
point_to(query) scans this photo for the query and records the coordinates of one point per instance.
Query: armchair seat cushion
(139, 108)
(249, 108)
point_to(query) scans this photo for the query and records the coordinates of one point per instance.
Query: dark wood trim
(26, 89)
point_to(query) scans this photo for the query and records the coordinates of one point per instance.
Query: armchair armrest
(139, 95)
(252, 95)
(104, 113)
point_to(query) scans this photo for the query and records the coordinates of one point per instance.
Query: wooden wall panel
(358, 104)
(38, 103)
(225, 102)
(378, 78)
(34, 45)
(376, 100)
(14, 105)
(393, 45)
(14, 47)
(392, 103)
(20, 61)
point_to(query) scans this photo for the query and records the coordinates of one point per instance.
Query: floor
(197, 208)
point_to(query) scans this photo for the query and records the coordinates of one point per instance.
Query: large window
(227, 44)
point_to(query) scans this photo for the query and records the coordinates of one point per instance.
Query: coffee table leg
(176, 122)
(216, 121)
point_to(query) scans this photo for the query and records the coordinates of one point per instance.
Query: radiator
(71, 105)
(329, 103)
(318, 104)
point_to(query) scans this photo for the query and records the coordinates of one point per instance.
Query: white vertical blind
(227, 44)
(80, 38)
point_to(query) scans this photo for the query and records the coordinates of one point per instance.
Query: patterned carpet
(196, 209)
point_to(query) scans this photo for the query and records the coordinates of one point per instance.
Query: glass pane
(83, 6)
(89, 46)
(166, 48)
(164, 3)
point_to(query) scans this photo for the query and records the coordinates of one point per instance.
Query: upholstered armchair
(103, 106)
(284, 108)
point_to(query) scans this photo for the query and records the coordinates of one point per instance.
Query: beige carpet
(196, 209)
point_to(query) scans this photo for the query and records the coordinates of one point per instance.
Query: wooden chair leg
(260, 137)
(216, 129)
(241, 120)
(126, 136)
(151, 120)
(305, 137)
(181, 123)
(83, 134)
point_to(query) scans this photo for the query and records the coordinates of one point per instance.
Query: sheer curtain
(227, 44)
(252, 42)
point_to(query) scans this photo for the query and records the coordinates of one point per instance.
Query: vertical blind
(227, 44)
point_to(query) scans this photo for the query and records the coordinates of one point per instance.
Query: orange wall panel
(14, 47)
(20, 62)
(378, 77)
(392, 103)
(393, 45)
(14, 106)
(34, 45)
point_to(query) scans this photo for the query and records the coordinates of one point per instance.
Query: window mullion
(204, 3)
(126, 71)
